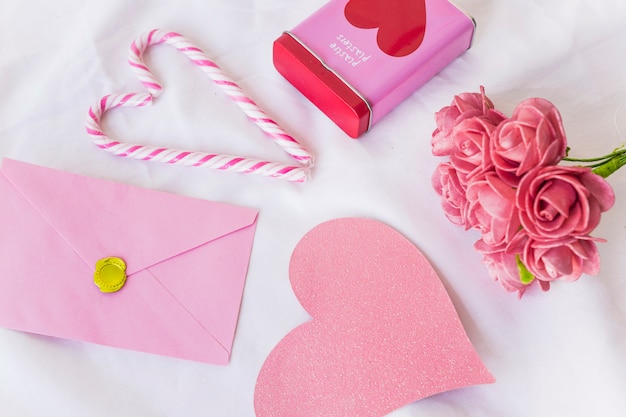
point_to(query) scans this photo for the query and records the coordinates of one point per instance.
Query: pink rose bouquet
(503, 177)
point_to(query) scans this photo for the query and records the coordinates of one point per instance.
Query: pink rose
(463, 106)
(555, 202)
(533, 136)
(563, 259)
(446, 183)
(471, 138)
(502, 267)
(492, 208)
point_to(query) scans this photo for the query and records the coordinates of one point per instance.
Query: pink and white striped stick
(189, 158)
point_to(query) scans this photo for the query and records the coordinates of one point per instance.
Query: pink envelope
(186, 258)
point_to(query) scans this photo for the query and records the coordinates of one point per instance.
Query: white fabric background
(553, 354)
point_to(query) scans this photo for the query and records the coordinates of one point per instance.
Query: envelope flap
(101, 218)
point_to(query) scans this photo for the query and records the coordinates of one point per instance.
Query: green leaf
(610, 166)
(524, 274)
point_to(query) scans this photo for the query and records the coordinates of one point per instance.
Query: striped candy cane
(189, 158)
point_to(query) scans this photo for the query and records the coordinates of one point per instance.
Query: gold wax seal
(110, 275)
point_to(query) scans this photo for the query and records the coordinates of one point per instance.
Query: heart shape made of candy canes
(384, 331)
(401, 24)
(191, 158)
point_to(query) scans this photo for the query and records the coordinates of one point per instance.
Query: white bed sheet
(553, 354)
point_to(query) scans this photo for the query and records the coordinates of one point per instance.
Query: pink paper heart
(384, 331)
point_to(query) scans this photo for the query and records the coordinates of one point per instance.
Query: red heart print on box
(401, 24)
(222, 162)
(384, 332)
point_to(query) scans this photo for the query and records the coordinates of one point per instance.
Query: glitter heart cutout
(384, 332)
(193, 158)
(401, 24)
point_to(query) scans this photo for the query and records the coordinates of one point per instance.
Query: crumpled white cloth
(556, 353)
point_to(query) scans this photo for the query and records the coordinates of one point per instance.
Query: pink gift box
(356, 60)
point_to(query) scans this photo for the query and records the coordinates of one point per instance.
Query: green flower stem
(599, 159)
(604, 165)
